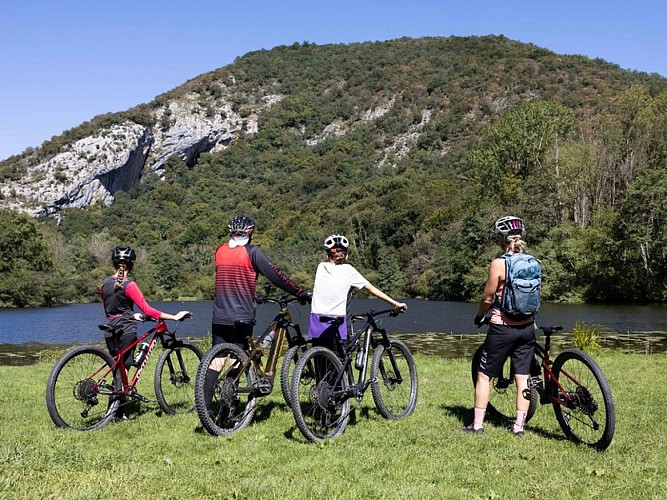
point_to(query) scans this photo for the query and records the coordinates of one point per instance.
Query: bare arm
(175, 317)
(381, 295)
(496, 276)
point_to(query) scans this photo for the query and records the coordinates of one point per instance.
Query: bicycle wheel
(75, 397)
(175, 377)
(224, 393)
(318, 415)
(502, 397)
(290, 360)
(585, 410)
(394, 380)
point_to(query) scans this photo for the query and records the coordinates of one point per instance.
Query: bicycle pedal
(139, 397)
(264, 387)
(537, 383)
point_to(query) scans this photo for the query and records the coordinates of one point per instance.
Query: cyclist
(238, 264)
(506, 336)
(335, 280)
(119, 296)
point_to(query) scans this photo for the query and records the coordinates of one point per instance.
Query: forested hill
(411, 148)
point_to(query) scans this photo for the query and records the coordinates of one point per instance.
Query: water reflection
(448, 346)
(463, 346)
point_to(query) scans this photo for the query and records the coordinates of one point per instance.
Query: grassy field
(156, 456)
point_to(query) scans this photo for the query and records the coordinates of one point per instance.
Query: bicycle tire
(591, 420)
(316, 415)
(233, 402)
(290, 360)
(394, 399)
(502, 396)
(174, 378)
(72, 396)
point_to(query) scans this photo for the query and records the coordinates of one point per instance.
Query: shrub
(586, 336)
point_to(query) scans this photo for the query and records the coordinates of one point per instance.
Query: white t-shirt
(332, 288)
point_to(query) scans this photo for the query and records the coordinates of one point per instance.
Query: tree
(390, 278)
(518, 144)
(27, 273)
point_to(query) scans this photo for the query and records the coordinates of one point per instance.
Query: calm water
(433, 327)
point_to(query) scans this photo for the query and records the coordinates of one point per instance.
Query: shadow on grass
(538, 431)
(465, 416)
(462, 413)
(355, 413)
(264, 409)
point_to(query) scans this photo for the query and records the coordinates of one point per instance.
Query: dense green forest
(577, 147)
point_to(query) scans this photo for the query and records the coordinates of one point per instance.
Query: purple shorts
(318, 329)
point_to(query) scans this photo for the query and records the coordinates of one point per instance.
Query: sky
(64, 62)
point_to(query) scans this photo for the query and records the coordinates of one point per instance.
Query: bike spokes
(224, 391)
(75, 399)
(320, 408)
(175, 378)
(585, 407)
(394, 380)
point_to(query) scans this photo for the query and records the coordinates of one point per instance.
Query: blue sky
(64, 62)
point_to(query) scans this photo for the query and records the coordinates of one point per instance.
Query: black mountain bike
(324, 381)
(573, 383)
(243, 377)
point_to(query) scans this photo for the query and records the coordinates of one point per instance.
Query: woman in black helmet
(119, 296)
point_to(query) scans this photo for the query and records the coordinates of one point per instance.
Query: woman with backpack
(511, 320)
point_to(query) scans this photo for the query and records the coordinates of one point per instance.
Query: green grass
(157, 456)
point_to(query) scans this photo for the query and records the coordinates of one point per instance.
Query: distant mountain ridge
(423, 82)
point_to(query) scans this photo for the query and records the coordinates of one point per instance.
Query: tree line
(577, 148)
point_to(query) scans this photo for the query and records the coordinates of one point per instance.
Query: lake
(434, 327)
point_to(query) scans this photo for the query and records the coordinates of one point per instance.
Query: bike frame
(282, 326)
(119, 362)
(553, 391)
(358, 387)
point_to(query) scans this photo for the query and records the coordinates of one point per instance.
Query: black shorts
(124, 334)
(502, 341)
(237, 334)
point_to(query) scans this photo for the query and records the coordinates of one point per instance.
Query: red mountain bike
(87, 386)
(573, 383)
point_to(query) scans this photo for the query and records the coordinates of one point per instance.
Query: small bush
(586, 336)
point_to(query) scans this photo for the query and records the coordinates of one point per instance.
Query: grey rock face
(96, 167)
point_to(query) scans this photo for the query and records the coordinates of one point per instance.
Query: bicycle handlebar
(373, 314)
(282, 301)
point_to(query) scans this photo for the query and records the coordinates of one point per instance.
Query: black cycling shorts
(502, 341)
(237, 334)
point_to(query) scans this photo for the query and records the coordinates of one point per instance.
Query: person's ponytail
(121, 271)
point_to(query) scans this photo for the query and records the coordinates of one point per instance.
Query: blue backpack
(523, 283)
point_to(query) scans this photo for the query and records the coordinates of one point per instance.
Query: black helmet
(509, 225)
(123, 254)
(336, 242)
(241, 225)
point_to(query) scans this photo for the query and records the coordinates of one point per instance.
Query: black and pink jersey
(236, 273)
(117, 302)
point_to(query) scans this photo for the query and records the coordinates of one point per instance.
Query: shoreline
(444, 345)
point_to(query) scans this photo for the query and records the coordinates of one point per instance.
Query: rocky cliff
(94, 168)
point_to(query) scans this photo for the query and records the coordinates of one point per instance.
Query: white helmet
(336, 242)
(509, 225)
